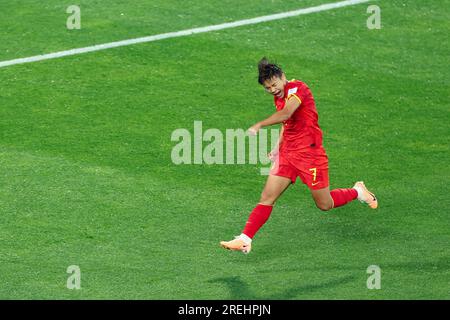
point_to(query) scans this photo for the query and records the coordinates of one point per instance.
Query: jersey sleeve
(295, 91)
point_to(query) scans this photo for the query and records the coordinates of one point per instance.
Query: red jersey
(301, 131)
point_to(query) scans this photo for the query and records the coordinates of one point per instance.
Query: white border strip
(283, 15)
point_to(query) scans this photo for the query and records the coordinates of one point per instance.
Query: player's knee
(324, 206)
(267, 199)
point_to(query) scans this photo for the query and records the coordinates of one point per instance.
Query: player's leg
(274, 188)
(326, 200)
(317, 180)
(313, 171)
(323, 199)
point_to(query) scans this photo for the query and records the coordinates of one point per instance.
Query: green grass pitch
(86, 176)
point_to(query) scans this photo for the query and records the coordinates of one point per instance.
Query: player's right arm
(278, 117)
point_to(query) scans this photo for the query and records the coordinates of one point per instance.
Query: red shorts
(312, 168)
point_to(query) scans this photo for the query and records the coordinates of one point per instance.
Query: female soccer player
(300, 153)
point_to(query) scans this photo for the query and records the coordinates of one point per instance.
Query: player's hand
(273, 154)
(253, 131)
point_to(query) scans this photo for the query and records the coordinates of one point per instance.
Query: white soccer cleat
(364, 195)
(238, 244)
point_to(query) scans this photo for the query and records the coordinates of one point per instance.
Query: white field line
(104, 46)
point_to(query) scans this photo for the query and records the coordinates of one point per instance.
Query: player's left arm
(280, 116)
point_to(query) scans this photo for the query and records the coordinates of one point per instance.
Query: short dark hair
(267, 70)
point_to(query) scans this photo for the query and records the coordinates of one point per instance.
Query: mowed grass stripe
(235, 24)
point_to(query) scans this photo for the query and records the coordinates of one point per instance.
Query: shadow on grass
(240, 290)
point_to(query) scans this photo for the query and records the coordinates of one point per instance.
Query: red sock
(343, 196)
(256, 219)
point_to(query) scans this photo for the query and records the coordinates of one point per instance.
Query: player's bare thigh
(322, 198)
(274, 188)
